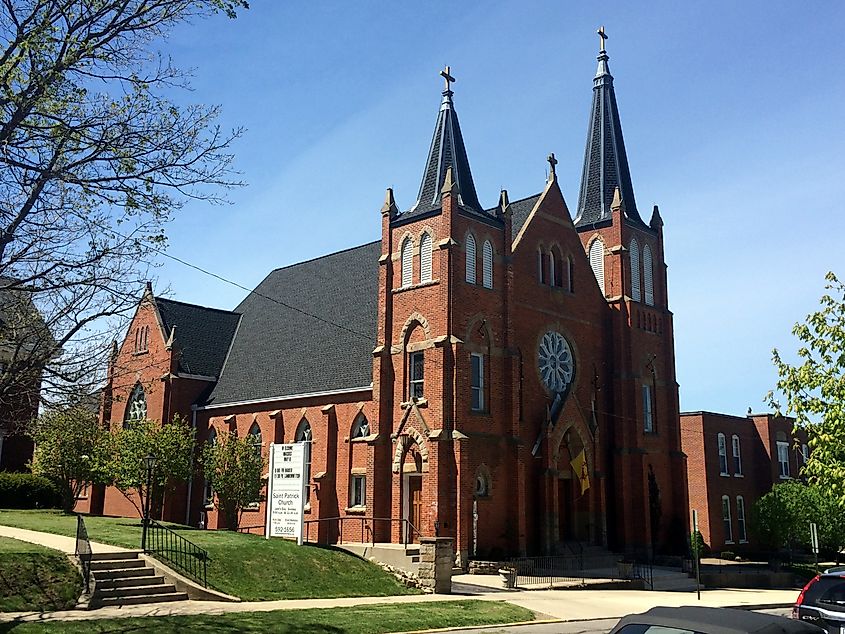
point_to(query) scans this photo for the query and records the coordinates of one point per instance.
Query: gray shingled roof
(203, 335)
(605, 160)
(309, 327)
(520, 210)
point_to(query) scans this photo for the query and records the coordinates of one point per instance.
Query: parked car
(699, 620)
(822, 601)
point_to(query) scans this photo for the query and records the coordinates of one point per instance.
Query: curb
(487, 626)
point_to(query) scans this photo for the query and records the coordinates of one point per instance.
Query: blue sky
(732, 116)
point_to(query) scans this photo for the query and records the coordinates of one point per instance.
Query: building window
(723, 455)
(740, 520)
(542, 266)
(142, 338)
(477, 381)
(556, 278)
(136, 407)
(208, 490)
(361, 427)
(416, 374)
(597, 262)
(648, 409)
(425, 258)
(648, 276)
(470, 254)
(358, 490)
(805, 453)
(303, 434)
(255, 438)
(635, 271)
(726, 519)
(737, 455)
(407, 262)
(569, 273)
(482, 486)
(487, 264)
(783, 458)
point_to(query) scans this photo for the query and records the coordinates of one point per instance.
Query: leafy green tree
(71, 450)
(96, 154)
(234, 466)
(780, 519)
(814, 390)
(171, 444)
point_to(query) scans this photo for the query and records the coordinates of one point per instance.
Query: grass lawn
(371, 619)
(36, 578)
(246, 566)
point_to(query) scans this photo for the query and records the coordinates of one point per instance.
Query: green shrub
(27, 491)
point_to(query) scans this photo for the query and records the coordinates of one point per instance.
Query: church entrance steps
(672, 580)
(125, 579)
(399, 556)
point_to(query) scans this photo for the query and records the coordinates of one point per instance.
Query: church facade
(502, 376)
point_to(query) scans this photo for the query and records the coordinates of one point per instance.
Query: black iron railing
(83, 551)
(644, 570)
(182, 554)
(359, 526)
(549, 571)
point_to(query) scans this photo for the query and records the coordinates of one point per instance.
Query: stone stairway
(122, 578)
(405, 558)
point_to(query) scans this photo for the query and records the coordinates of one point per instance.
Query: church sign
(286, 491)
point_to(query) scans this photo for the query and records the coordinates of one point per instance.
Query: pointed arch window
(636, 289)
(407, 262)
(360, 428)
(303, 434)
(570, 272)
(541, 266)
(648, 276)
(487, 264)
(136, 406)
(597, 262)
(470, 255)
(425, 258)
(255, 437)
(557, 272)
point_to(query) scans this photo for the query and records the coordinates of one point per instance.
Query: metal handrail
(83, 551)
(184, 555)
(367, 528)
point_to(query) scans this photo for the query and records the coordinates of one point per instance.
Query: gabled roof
(605, 160)
(447, 150)
(203, 335)
(307, 328)
(521, 209)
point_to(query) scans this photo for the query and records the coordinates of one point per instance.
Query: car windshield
(834, 595)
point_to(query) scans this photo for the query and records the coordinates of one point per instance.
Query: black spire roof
(447, 150)
(605, 160)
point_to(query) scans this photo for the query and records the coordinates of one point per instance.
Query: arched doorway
(576, 485)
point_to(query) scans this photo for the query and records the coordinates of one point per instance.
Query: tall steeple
(605, 160)
(447, 150)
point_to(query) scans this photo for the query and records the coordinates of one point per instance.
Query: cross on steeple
(552, 162)
(602, 38)
(445, 74)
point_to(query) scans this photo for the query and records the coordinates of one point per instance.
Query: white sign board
(286, 491)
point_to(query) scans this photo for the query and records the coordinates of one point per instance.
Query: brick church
(504, 376)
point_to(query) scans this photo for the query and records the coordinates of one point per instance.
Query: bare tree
(94, 158)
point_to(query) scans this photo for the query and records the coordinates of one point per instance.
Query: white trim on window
(476, 362)
(741, 532)
(726, 520)
(470, 259)
(357, 491)
(783, 459)
(425, 258)
(636, 290)
(723, 454)
(487, 264)
(648, 276)
(597, 262)
(648, 409)
(407, 253)
(737, 455)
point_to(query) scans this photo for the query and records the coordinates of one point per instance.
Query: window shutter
(648, 276)
(470, 253)
(425, 258)
(635, 271)
(407, 263)
(487, 264)
(597, 262)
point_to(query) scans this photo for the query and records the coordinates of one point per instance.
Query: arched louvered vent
(470, 253)
(648, 276)
(425, 258)
(487, 264)
(597, 262)
(407, 262)
(636, 289)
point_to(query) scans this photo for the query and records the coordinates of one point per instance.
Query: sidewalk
(564, 605)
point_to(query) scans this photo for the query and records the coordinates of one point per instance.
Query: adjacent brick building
(732, 462)
(446, 376)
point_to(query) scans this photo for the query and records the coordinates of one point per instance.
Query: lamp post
(149, 463)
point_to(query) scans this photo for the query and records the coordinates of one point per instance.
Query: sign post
(814, 542)
(696, 554)
(286, 492)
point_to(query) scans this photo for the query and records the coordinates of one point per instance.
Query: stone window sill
(355, 510)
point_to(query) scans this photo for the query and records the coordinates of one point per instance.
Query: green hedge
(27, 491)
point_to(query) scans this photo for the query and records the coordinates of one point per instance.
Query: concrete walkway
(565, 605)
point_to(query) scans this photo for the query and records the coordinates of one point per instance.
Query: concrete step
(129, 582)
(136, 591)
(123, 573)
(145, 598)
(114, 556)
(117, 564)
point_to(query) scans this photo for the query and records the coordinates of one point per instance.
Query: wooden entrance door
(415, 502)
